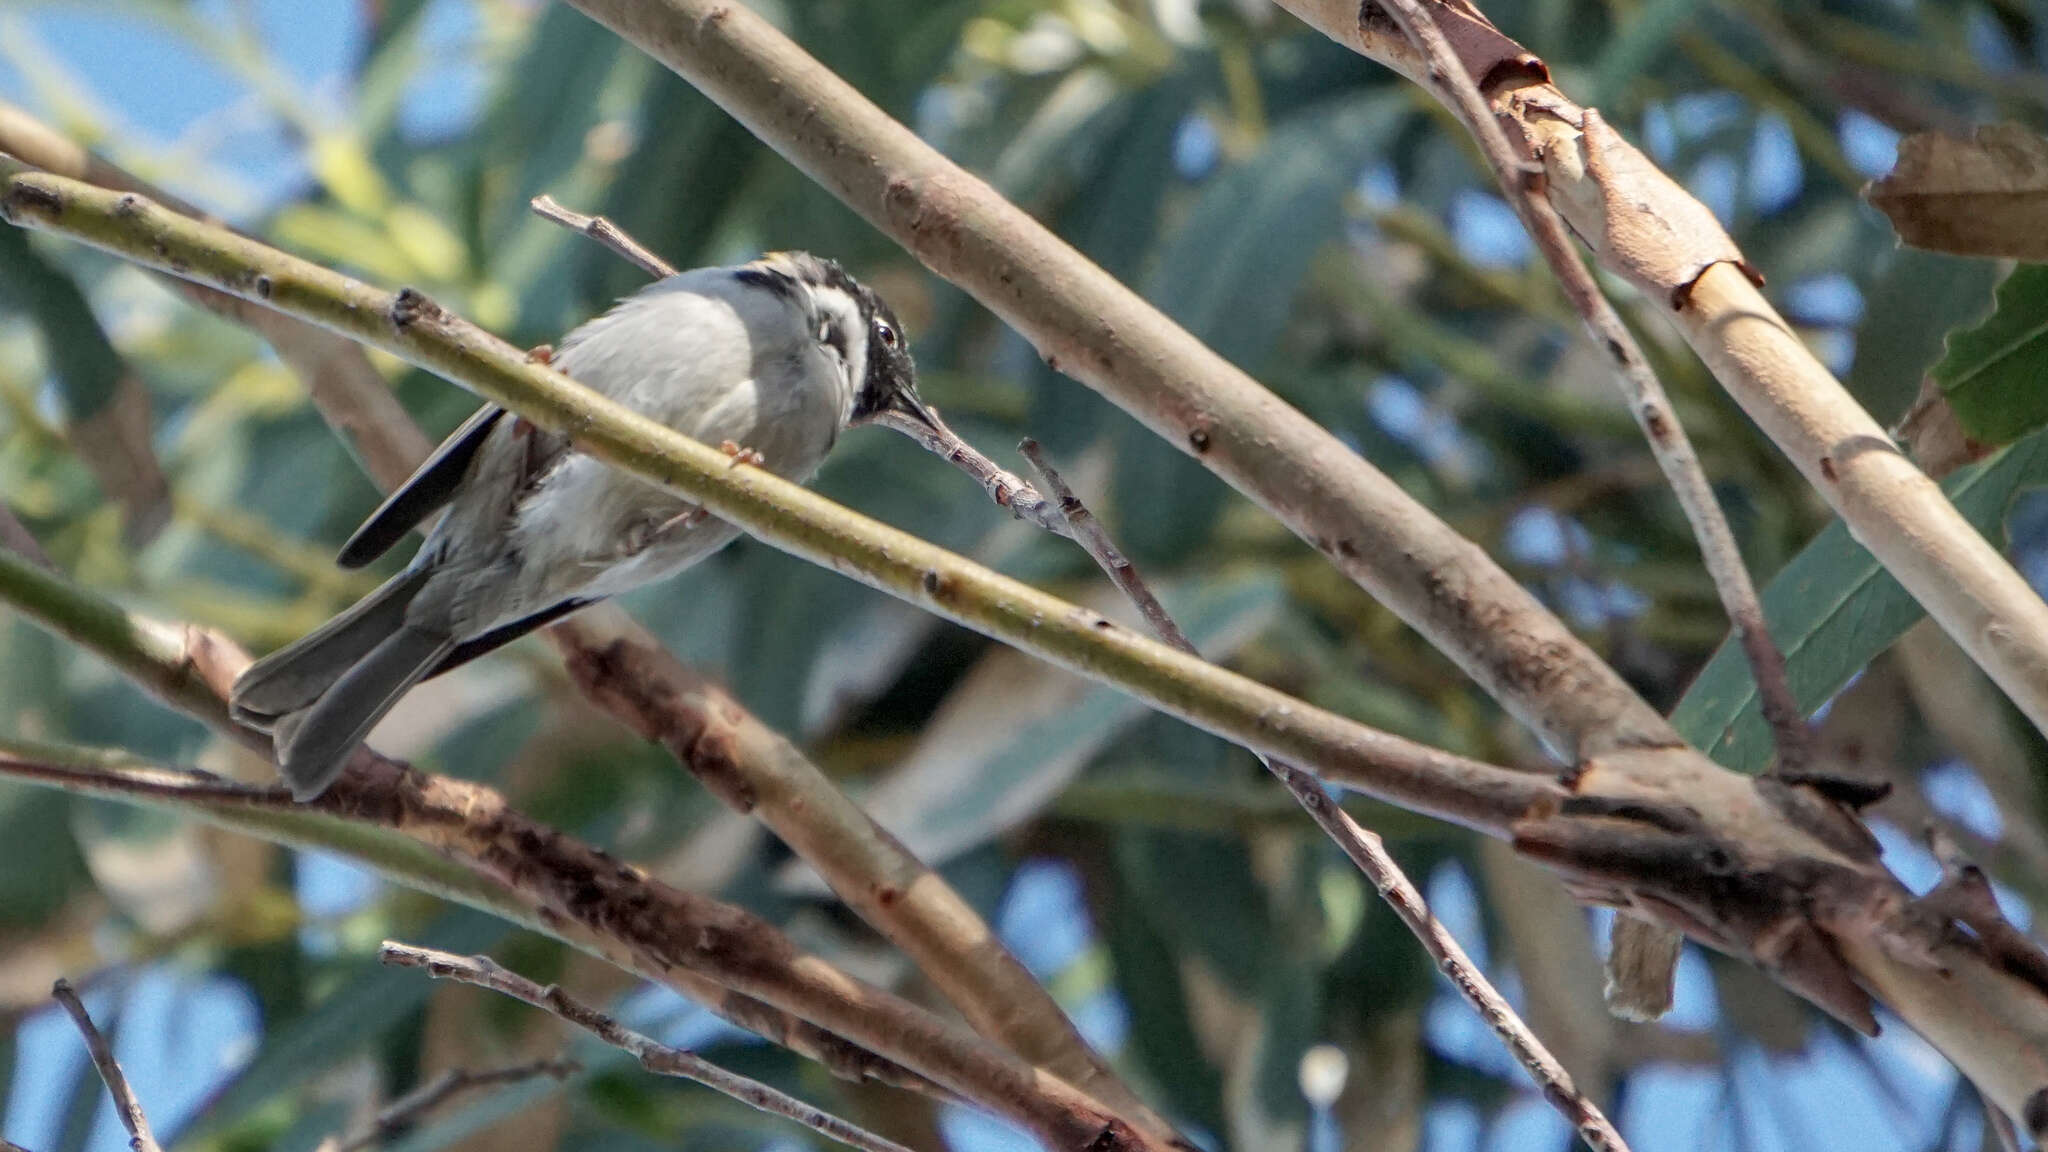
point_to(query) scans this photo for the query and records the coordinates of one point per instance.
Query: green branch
(785, 515)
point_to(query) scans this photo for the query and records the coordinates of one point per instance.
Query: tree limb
(462, 841)
(1364, 848)
(941, 933)
(1085, 323)
(1642, 226)
(1519, 178)
(786, 515)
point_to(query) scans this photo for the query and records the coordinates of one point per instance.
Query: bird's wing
(502, 635)
(427, 490)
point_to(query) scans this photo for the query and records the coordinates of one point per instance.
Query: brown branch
(606, 233)
(126, 1104)
(658, 1058)
(737, 964)
(867, 867)
(752, 768)
(757, 772)
(1084, 322)
(409, 1109)
(1520, 178)
(1365, 849)
(937, 438)
(1641, 225)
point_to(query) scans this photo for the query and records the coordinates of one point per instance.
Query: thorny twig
(1004, 487)
(126, 1104)
(408, 1109)
(1520, 179)
(658, 1058)
(1365, 848)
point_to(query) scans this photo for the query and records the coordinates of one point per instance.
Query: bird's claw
(742, 455)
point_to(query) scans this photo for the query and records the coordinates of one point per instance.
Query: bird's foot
(644, 534)
(541, 354)
(742, 455)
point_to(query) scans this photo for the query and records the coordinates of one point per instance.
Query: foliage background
(1312, 217)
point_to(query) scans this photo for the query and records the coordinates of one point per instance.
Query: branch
(463, 842)
(606, 233)
(937, 438)
(1085, 323)
(780, 513)
(940, 932)
(658, 1058)
(757, 772)
(1642, 226)
(1520, 177)
(408, 1109)
(1364, 848)
(126, 1105)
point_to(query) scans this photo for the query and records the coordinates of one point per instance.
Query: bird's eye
(888, 335)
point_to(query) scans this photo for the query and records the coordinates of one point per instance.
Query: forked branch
(1363, 848)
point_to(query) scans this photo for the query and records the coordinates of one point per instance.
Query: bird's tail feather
(294, 676)
(313, 745)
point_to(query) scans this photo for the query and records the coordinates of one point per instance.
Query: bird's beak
(906, 413)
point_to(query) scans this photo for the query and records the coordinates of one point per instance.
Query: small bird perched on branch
(773, 359)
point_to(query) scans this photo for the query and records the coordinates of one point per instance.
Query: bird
(770, 359)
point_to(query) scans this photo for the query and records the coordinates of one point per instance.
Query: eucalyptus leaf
(1995, 374)
(1010, 737)
(1832, 610)
(347, 1021)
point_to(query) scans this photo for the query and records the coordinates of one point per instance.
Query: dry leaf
(1933, 435)
(1984, 196)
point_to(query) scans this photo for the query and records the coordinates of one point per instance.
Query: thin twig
(1520, 179)
(409, 1109)
(604, 232)
(1006, 488)
(1365, 848)
(126, 1105)
(658, 1058)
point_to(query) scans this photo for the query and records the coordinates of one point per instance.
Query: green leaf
(80, 357)
(1912, 300)
(1995, 374)
(963, 785)
(1832, 610)
(1230, 274)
